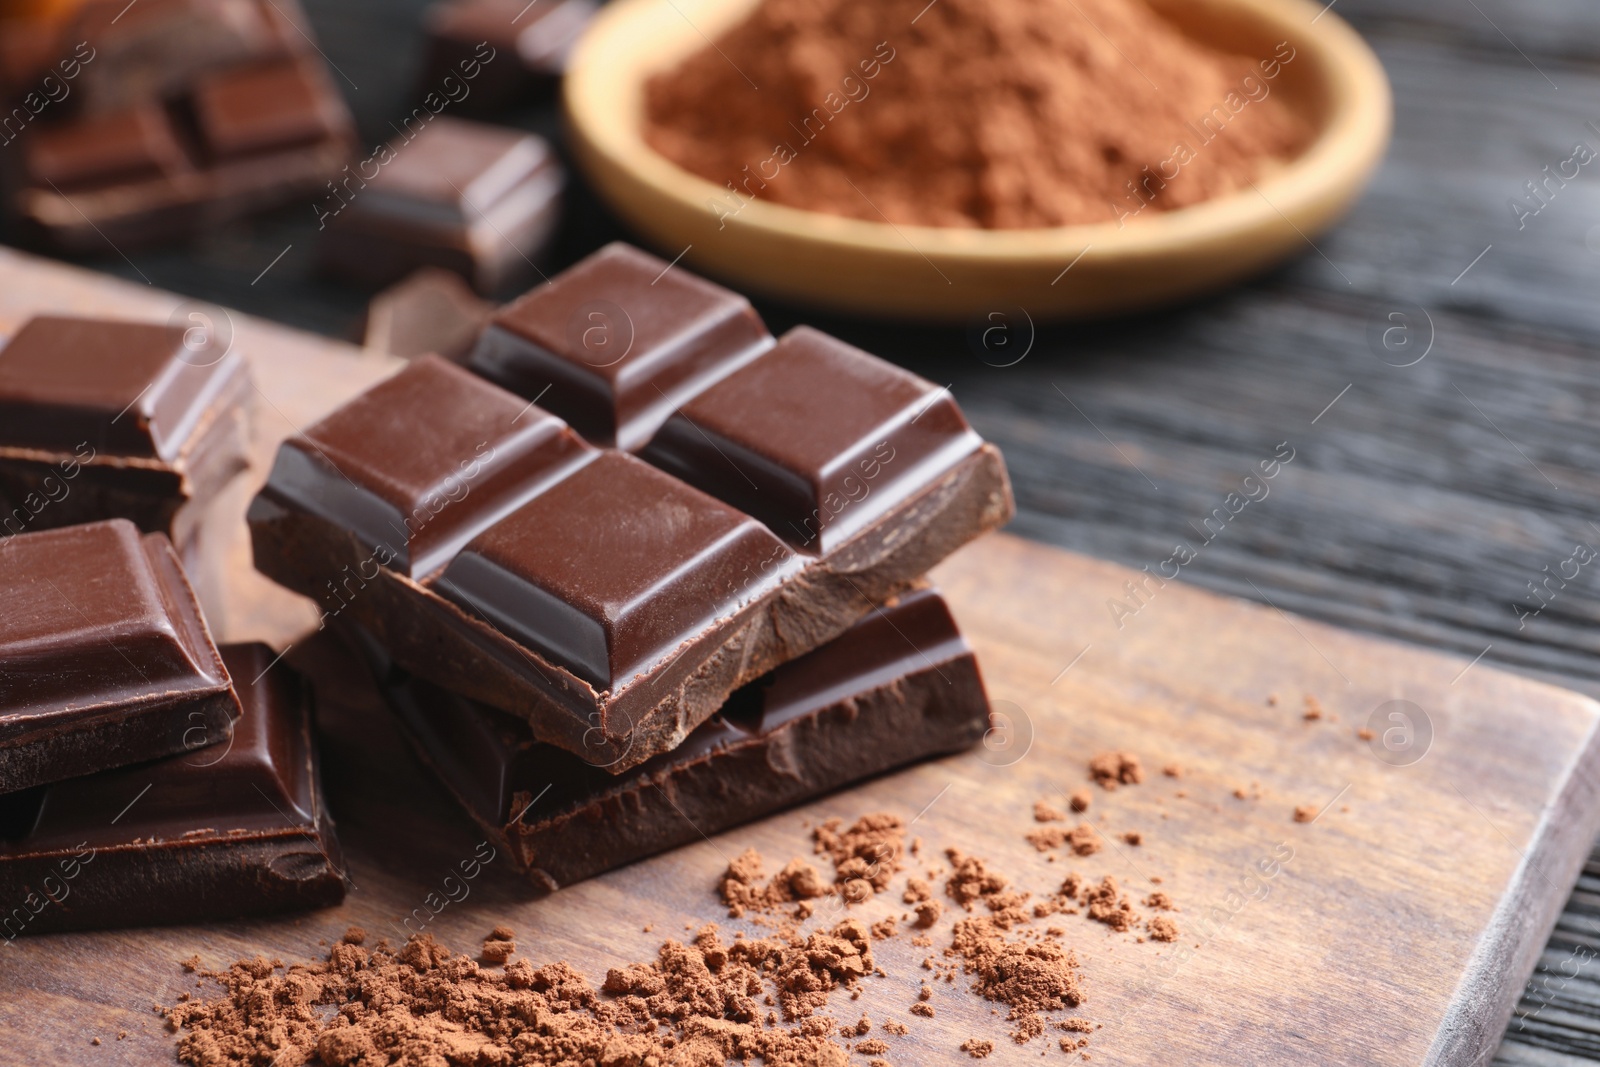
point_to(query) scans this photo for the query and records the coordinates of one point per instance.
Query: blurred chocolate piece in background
(475, 199)
(150, 121)
(430, 311)
(521, 47)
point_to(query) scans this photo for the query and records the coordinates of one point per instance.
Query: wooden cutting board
(1395, 928)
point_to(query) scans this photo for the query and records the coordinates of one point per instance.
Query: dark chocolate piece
(114, 146)
(412, 488)
(613, 569)
(259, 108)
(508, 50)
(816, 438)
(156, 49)
(475, 199)
(615, 608)
(430, 311)
(899, 686)
(104, 657)
(233, 829)
(617, 342)
(102, 419)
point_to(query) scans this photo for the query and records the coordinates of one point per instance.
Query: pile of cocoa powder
(1000, 114)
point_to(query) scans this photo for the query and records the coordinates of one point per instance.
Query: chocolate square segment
(259, 108)
(614, 344)
(125, 388)
(133, 143)
(104, 658)
(615, 568)
(816, 438)
(419, 464)
(453, 173)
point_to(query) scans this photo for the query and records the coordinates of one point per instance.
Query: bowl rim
(1352, 137)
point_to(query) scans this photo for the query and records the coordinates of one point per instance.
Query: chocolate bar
(515, 50)
(899, 686)
(611, 604)
(184, 113)
(107, 660)
(102, 419)
(233, 829)
(474, 199)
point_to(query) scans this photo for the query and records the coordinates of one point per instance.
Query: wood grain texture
(1395, 929)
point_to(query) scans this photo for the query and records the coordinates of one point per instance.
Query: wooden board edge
(1480, 1012)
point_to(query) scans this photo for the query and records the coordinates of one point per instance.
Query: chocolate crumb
(924, 1010)
(1080, 800)
(928, 912)
(894, 1026)
(1313, 710)
(916, 890)
(1365, 734)
(1172, 770)
(1133, 837)
(1160, 901)
(1043, 812)
(1163, 929)
(978, 1050)
(875, 1046)
(1305, 813)
(1110, 769)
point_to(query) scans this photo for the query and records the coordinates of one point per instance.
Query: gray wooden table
(1422, 499)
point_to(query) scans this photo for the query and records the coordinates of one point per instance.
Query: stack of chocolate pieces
(167, 116)
(146, 775)
(641, 571)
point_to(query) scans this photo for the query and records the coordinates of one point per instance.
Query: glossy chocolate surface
(119, 145)
(806, 710)
(816, 438)
(617, 342)
(104, 658)
(423, 461)
(614, 568)
(453, 173)
(234, 826)
(258, 108)
(123, 388)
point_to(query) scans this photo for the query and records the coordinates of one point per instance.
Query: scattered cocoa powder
(1080, 800)
(1365, 734)
(899, 1029)
(978, 1050)
(1172, 770)
(1133, 837)
(1305, 812)
(971, 113)
(872, 1047)
(1313, 710)
(498, 947)
(1110, 769)
(924, 1010)
(1163, 928)
(1043, 812)
(928, 913)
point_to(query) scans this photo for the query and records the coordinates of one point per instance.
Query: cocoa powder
(1000, 114)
